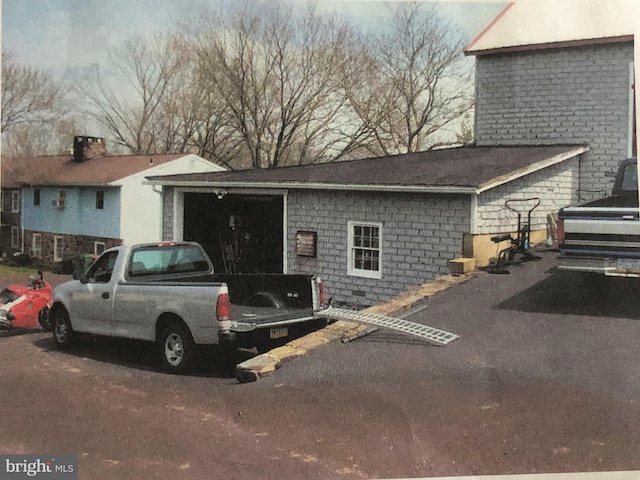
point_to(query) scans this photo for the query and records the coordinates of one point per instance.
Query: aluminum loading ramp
(433, 335)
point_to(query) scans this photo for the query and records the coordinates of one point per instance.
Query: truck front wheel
(62, 330)
(177, 348)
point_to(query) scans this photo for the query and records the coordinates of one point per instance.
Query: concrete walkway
(256, 367)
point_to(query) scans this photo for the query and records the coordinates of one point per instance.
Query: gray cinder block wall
(578, 95)
(421, 233)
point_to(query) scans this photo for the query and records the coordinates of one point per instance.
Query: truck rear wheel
(177, 348)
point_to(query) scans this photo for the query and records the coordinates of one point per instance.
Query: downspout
(159, 189)
(636, 62)
(474, 212)
(468, 245)
(285, 228)
(22, 220)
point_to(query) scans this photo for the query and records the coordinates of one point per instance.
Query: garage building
(369, 228)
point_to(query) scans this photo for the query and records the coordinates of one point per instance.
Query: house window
(100, 199)
(36, 245)
(58, 249)
(365, 249)
(36, 197)
(15, 202)
(15, 237)
(61, 201)
(99, 247)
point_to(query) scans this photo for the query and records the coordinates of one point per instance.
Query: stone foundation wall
(72, 245)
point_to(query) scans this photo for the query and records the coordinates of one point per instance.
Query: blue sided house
(85, 202)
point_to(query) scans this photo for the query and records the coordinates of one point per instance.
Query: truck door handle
(105, 295)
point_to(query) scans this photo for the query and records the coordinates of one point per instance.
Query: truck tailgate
(601, 231)
(604, 240)
(246, 319)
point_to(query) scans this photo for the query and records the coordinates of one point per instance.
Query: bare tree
(135, 103)
(422, 86)
(29, 95)
(279, 76)
(34, 140)
(200, 109)
(264, 86)
(36, 118)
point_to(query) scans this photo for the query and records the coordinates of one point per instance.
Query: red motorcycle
(26, 306)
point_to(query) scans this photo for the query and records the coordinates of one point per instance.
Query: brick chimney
(85, 148)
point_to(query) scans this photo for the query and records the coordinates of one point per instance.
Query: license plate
(279, 332)
(628, 265)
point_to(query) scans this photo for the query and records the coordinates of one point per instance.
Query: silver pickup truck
(603, 236)
(168, 293)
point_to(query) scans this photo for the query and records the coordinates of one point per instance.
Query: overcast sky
(56, 34)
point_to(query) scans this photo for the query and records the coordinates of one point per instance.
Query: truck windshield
(630, 178)
(167, 259)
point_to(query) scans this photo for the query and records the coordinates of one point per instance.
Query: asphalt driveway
(544, 378)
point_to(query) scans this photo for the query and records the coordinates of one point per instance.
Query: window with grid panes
(365, 249)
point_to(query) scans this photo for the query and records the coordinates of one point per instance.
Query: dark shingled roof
(453, 169)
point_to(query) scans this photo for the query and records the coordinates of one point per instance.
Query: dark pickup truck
(603, 236)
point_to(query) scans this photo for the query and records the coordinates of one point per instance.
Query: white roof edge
(318, 186)
(496, 182)
(528, 24)
(190, 156)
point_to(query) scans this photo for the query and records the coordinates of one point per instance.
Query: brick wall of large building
(575, 95)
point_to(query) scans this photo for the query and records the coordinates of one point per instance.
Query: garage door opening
(241, 233)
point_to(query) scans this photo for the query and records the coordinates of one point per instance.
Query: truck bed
(258, 301)
(293, 291)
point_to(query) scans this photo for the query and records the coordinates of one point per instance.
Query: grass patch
(15, 271)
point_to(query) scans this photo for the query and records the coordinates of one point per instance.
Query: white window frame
(36, 245)
(351, 252)
(15, 237)
(99, 248)
(15, 201)
(58, 243)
